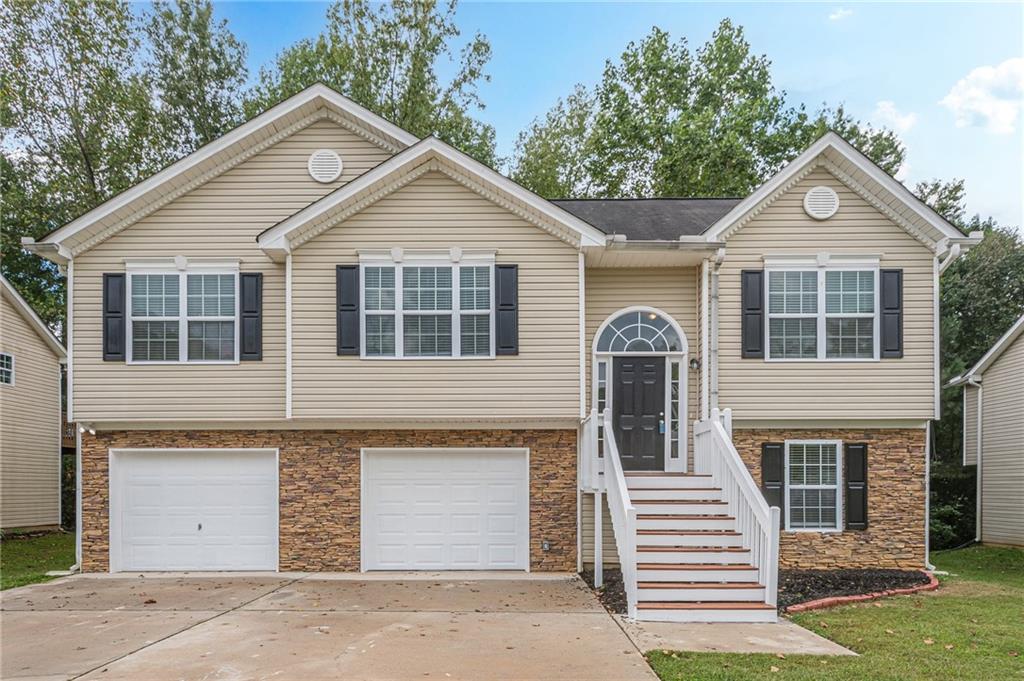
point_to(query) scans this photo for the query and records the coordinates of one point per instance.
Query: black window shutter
(773, 474)
(891, 306)
(506, 297)
(251, 316)
(348, 309)
(752, 303)
(856, 469)
(114, 318)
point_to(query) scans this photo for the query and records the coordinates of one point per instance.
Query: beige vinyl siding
(970, 426)
(673, 290)
(435, 212)
(888, 389)
(30, 422)
(609, 554)
(220, 219)
(1002, 448)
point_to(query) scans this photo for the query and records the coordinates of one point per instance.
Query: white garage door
(193, 509)
(445, 509)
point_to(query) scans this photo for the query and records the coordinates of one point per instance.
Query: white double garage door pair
(218, 509)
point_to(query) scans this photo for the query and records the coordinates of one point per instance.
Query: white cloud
(840, 14)
(991, 96)
(888, 115)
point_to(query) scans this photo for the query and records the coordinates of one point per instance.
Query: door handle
(200, 526)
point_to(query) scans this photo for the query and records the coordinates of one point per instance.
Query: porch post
(598, 539)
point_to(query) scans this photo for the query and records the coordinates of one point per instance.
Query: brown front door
(638, 412)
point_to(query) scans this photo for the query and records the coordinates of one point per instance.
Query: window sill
(189, 363)
(462, 358)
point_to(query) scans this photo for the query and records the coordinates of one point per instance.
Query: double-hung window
(189, 316)
(822, 313)
(429, 307)
(813, 475)
(6, 368)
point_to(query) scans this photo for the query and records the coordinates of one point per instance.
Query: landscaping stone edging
(832, 601)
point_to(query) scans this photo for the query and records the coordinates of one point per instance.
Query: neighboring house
(30, 416)
(320, 343)
(994, 437)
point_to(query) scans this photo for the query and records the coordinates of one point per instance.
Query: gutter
(683, 243)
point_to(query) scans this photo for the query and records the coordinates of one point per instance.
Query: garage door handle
(200, 526)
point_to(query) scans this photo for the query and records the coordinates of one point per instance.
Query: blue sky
(949, 77)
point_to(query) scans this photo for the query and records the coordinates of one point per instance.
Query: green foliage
(388, 57)
(197, 67)
(666, 121)
(25, 559)
(952, 505)
(990, 564)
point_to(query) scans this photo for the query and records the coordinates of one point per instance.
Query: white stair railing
(591, 463)
(715, 455)
(623, 513)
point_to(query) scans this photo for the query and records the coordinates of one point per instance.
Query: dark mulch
(613, 594)
(795, 586)
(800, 586)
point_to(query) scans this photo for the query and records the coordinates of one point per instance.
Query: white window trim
(822, 264)
(456, 258)
(13, 372)
(183, 317)
(838, 487)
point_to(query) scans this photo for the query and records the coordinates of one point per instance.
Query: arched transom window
(640, 331)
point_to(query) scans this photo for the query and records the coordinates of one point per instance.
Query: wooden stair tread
(704, 533)
(698, 585)
(695, 549)
(676, 489)
(720, 605)
(683, 516)
(661, 474)
(693, 566)
(679, 501)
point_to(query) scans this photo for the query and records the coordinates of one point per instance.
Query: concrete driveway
(312, 627)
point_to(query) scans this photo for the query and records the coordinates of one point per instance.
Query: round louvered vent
(324, 165)
(821, 202)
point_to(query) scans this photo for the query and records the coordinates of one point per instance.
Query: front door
(638, 415)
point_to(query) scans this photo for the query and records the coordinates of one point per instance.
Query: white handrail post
(727, 421)
(772, 572)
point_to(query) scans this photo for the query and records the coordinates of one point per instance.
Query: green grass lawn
(25, 560)
(971, 628)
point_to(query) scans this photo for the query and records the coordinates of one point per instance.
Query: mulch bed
(795, 586)
(800, 586)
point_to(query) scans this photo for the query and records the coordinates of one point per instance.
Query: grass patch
(969, 629)
(26, 559)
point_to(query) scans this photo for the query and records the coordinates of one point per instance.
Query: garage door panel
(444, 509)
(194, 510)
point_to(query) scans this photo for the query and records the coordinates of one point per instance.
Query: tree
(664, 121)
(387, 57)
(78, 124)
(197, 67)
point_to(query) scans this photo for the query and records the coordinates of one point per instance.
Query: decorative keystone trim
(356, 129)
(769, 200)
(833, 601)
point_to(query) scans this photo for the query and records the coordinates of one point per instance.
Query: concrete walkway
(782, 637)
(163, 628)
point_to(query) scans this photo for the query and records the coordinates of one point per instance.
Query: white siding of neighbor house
(435, 212)
(30, 423)
(1002, 448)
(220, 219)
(970, 426)
(889, 389)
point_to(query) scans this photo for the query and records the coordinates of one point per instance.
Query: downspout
(713, 353)
(977, 494)
(705, 312)
(928, 496)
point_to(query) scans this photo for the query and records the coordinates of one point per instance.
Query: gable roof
(430, 154)
(992, 355)
(33, 320)
(861, 174)
(282, 120)
(664, 219)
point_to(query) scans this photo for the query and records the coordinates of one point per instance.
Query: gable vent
(821, 202)
(324, 165)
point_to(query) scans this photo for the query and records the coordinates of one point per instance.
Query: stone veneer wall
(319, 487)
(894, 537)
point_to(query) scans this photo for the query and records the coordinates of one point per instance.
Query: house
(320, 343)
(993, 430)
(30, 416)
